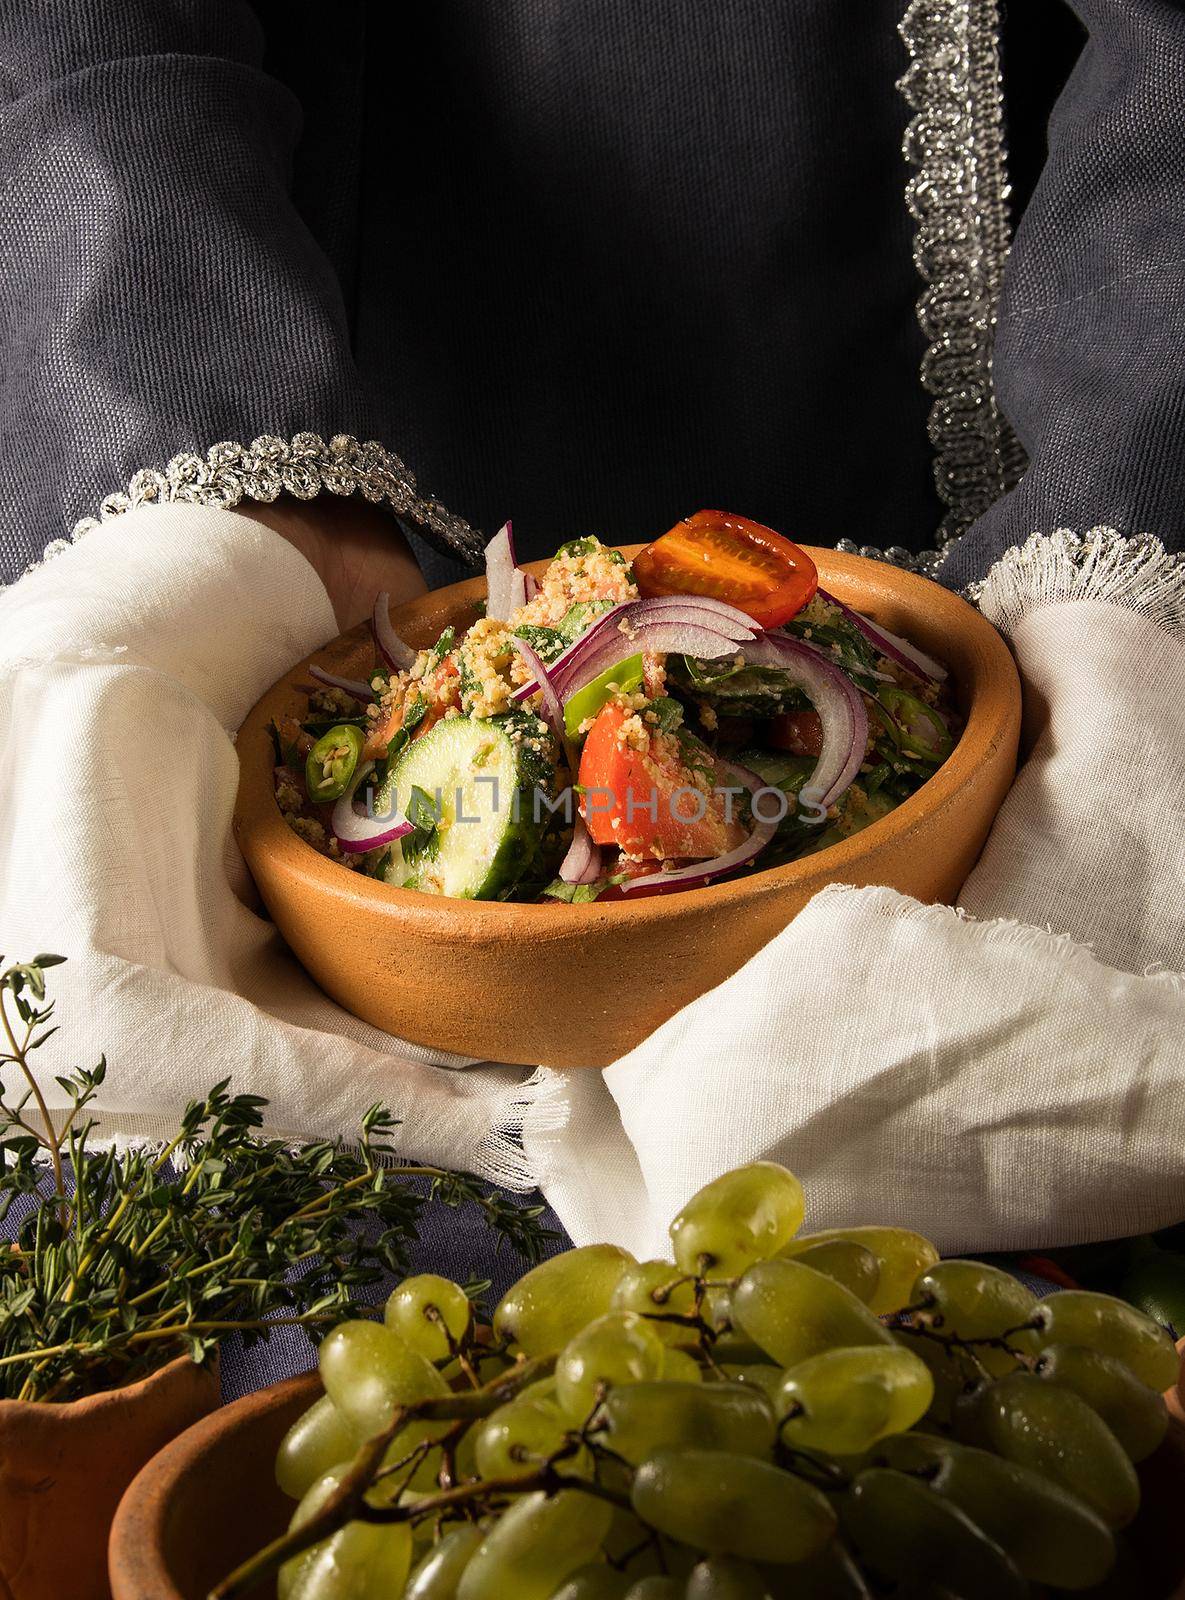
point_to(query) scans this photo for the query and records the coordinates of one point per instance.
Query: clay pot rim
(136, 1544)
(993, 701)
(120, 1395)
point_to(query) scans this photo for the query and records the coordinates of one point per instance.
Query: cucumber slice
(477, 786)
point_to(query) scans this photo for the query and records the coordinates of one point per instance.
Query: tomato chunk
(799, 732)
(731, 559)
(645, 799)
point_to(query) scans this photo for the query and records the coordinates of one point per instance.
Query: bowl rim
(993, 714)
(135, 1547)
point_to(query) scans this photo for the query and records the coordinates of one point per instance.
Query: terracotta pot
(209, 1500)
(581, 985)
(63, 1469)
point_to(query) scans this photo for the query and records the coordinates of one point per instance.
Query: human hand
(356, 549)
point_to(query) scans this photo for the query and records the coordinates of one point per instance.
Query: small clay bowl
(209, 1500)
(64, 1467)
(579, 986)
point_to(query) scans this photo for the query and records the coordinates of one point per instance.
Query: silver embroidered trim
(304, 467)
(1134, 571)
(958, 197)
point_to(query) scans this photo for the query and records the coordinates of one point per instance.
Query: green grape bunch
(768, 1415)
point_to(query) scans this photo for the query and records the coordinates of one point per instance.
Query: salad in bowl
(617, 728)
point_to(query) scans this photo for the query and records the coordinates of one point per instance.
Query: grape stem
(482, 1489)
(348, 1503)
(904, 1323)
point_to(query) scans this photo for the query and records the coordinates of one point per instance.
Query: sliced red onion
(506, 584)
(670, 624)
(357, 831)
(398, 656)
(553, 710)
(897, 649)
(703, 871)
(360, 691)
(838, 702)
(532, 585)
(582, 864)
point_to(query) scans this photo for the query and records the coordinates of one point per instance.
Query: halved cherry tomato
(646, 801)
(732, 559)
(800, 732)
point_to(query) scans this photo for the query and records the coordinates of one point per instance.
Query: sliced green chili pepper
(917, 727)
(331, 763)
(586, 702)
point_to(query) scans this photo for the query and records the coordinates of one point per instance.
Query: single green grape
(1135, 1414)
(427, 1312)
(793, 1312)
(362, 1561)
(643, 1418)
(901, 1255)
(535, 1544)
(655, 1289)
(725, 1578)
(552, 1302)
(854, 1265)
(737, 1219)
(517, 1438)
(726, 1504)
(680, 1366)
(1054, 1431)
(438, 1574)
(656, 1586)
(1100, 1322)
(904, 1533)
(970, 1300)
(1052, 1536)
(319, 1439)
(843, 1401)
(367, 1372)
(616, 1349)
(596, 1581)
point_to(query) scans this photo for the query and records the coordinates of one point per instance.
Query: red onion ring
(356, 833)
(506, 583)
(703, 871)
(892, 645)
(840, 707)
(553, 710)
(354, 686)
(670, 624)
(582, 864)
(398, 656)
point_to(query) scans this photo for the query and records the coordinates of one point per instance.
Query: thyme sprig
(123, 1259)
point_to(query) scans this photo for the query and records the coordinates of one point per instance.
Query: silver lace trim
(958, 197)
(304, 466)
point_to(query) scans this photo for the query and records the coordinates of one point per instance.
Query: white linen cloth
(126, 664)
(1010, 1081)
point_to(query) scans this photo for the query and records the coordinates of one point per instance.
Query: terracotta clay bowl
(63, 1469)
(581, 985)
(209, 1500)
